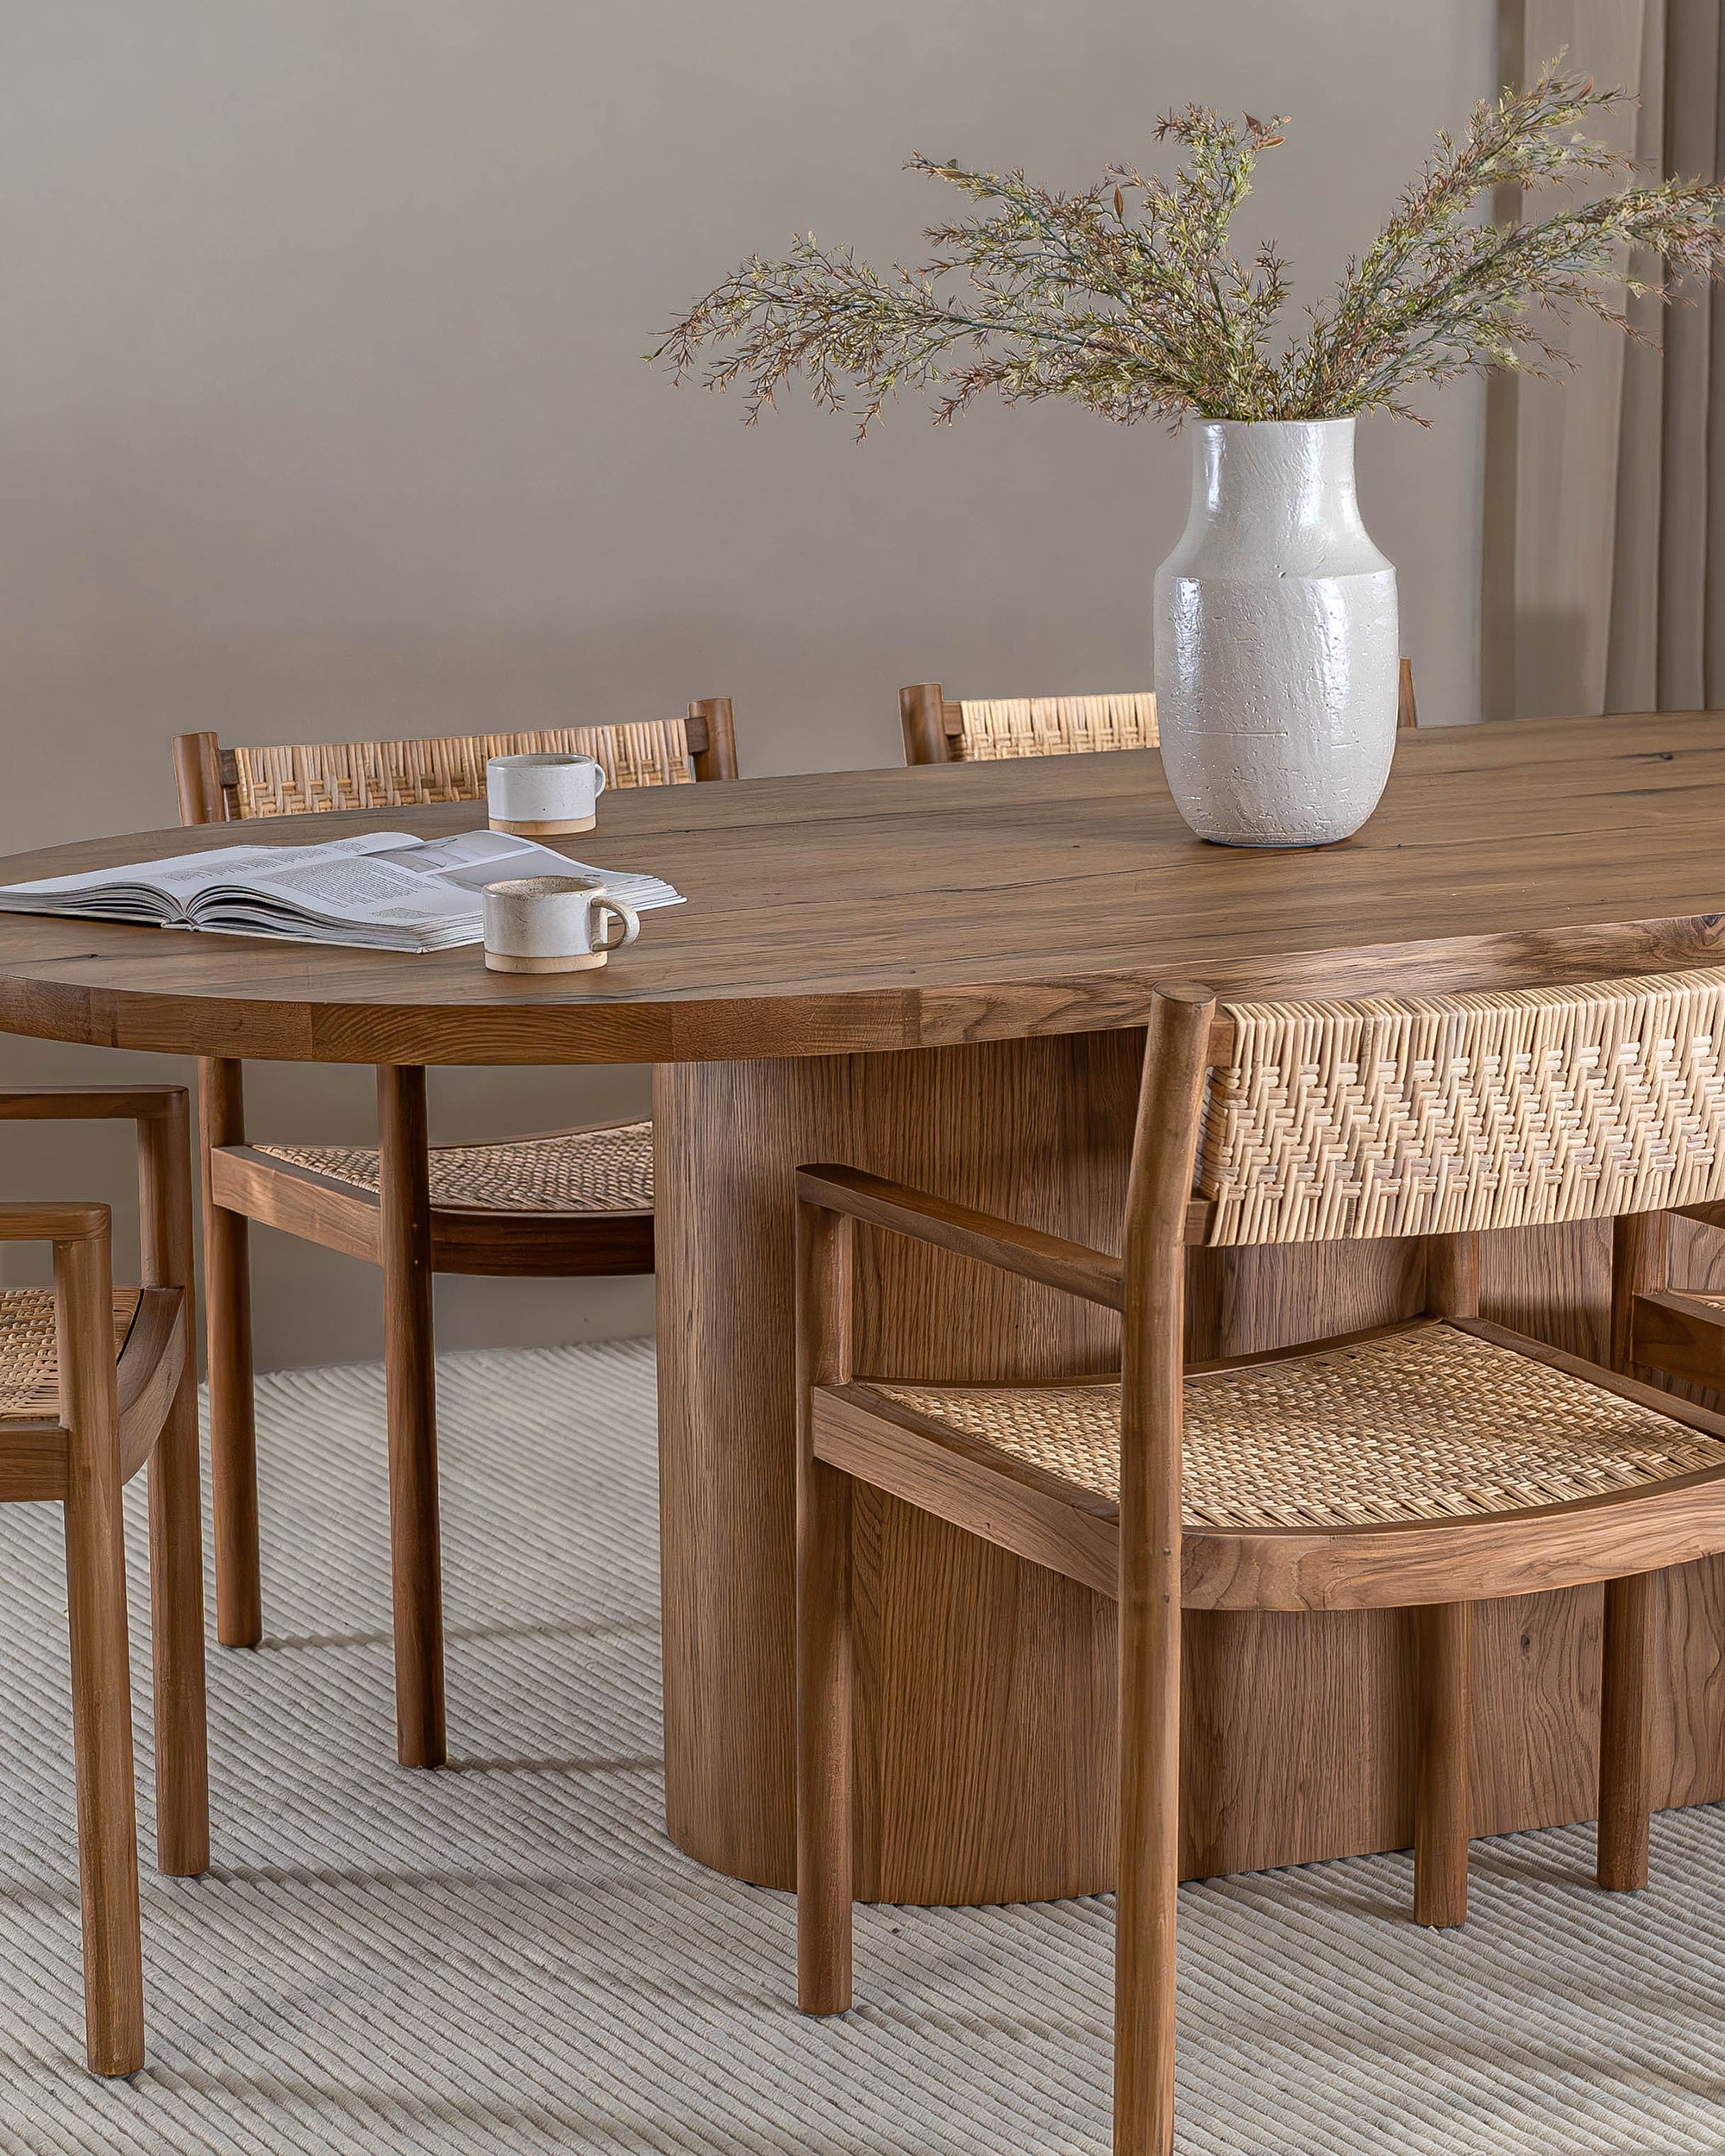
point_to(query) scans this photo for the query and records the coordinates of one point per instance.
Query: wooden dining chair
(94, 1381)
(1427, 1465)
(936, 729)
(561, 1203)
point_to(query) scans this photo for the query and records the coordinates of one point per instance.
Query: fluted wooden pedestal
(985, 1729)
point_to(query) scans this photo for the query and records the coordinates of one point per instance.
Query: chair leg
(1148, 1883)
(404, 1223)
(228, 1327)
(176, 1522)
(1444, 1805)
(1625, 1740)
(101, 1679)
(824, 1666)
(1640, 1265)
(825, 1801)
(177, 1643)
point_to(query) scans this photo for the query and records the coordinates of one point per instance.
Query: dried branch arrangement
(1128, 297)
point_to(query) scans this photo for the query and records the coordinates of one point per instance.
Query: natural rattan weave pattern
(291, 782)
(1428, 1424)
(582, 1171)
(29, 1372)
(1419, 1118)
(1054, 726)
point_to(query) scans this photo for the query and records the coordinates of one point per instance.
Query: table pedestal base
(985, 1740)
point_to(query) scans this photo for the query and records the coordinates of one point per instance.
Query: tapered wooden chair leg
(1144, 1909)
(1146, 1891)
(1625, 1739)
(176, 1520)
(824, 1667)
(825, 1799)
(228, 1327)
(101, 1683)
(1444, 1806)
(409, 1368)
(177, 1643)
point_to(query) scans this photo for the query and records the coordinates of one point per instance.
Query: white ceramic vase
(1276, 644)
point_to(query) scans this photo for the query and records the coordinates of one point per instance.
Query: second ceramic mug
(553, 924)
(539, 796)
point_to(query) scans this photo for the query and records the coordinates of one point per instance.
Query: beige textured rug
(510, 1956)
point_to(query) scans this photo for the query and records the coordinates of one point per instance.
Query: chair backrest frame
(1190, 1040)
(939, 730)
(935, 726)
(1359, 1119)
(215, 785)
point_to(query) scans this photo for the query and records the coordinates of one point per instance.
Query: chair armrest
(77, 1220)
(131, 1104)
(162, 1115)
(1073, 1267)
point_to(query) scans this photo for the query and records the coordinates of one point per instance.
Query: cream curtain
(1604, 536)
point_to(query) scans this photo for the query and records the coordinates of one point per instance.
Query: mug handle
(625, 914)
(598, 779)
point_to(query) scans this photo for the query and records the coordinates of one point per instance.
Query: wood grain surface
(1010, 919)
(984, 1690)
(861, 910)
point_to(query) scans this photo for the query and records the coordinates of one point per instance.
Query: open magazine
(386, 891)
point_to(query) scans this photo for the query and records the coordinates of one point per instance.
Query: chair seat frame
(501, 1243)
(1531, 1550)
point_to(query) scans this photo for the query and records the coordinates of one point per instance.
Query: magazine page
(473, 859)
(387, 889)
(178, 878)
(316, 884)
(428, 892)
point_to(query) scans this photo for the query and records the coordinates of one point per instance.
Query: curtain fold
(1604, 544)
(1638, 499)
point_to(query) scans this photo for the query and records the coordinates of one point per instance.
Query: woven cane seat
(29, 1370)
(575, 1171)
(1432, 1423)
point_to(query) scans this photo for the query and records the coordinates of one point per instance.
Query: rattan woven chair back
(219, 785)
(939, 729)
(1347, 1120)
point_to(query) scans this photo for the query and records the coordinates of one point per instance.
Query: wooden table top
(875, 910)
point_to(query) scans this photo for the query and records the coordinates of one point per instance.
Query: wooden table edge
(837, 1021)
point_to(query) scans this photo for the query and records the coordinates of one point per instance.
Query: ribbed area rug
(510, 1955)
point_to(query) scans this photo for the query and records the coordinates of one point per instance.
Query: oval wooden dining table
(939, 975)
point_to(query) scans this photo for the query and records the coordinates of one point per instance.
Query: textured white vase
(1277, 645)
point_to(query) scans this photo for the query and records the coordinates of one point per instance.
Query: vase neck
(1292, 476)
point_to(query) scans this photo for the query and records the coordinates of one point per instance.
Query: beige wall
(322, 413)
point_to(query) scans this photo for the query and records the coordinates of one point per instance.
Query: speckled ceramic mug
(543, 796)
(553, 924)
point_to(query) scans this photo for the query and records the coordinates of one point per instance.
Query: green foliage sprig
(1128, 296)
